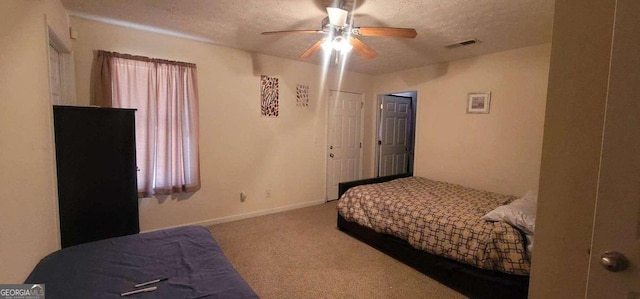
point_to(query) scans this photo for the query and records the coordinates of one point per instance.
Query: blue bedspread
(188, 256)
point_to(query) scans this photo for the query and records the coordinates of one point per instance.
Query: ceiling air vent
(462, 43)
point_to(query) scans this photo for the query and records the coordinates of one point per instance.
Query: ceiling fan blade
(362, 48)
(386, 31)
(292, 31)
(314, 48)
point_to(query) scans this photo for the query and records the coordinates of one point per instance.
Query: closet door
(96, 166)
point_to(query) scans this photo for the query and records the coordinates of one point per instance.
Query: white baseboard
(246, 215)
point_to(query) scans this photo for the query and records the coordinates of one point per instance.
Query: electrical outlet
(267, 193)
(243, 196)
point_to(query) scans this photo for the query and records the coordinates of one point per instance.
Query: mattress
(189, 257)
(440, 218)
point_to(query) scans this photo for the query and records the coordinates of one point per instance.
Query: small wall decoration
(479, 102)
(269, 96)
(302, 95)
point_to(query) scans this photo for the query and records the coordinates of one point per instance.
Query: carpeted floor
(302, 254)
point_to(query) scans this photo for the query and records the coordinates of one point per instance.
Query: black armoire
(96, 167)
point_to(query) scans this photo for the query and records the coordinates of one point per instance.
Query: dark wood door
(96, 167)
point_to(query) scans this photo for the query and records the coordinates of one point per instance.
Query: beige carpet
(302, 254)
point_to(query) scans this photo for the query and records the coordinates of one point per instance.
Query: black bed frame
(466, 279)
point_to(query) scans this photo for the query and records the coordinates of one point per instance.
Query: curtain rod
(143, 58)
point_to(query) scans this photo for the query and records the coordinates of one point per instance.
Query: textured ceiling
(498, 24)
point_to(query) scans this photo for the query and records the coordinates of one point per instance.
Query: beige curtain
(166, 98)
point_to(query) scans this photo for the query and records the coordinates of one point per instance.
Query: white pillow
(520, 213)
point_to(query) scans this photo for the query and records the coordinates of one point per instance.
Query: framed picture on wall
(478, 102)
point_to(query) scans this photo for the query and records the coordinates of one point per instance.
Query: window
(165, 96)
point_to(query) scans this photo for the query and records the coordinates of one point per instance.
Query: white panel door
(617, 216)
(394, 135)
(344, 140)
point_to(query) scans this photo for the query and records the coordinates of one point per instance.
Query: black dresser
(96, 168)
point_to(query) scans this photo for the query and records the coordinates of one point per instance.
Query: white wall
(499, 151)
(239, 150)
(28, 225)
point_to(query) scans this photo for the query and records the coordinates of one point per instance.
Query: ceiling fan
(341, 34)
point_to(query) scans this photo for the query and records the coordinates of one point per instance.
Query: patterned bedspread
(440, 218)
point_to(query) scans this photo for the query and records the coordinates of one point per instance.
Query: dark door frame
(413, 94)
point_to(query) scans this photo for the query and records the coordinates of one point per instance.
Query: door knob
(614, 261)
(331, 155)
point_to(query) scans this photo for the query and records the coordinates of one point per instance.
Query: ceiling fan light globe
(342, 45)
(346, 49)
(337, 16)
(327, 45)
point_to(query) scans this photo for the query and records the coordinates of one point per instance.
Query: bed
(188, 257)
(435, 228)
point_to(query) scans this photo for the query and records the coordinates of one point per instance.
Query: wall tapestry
(269, 96)
(302, 95)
